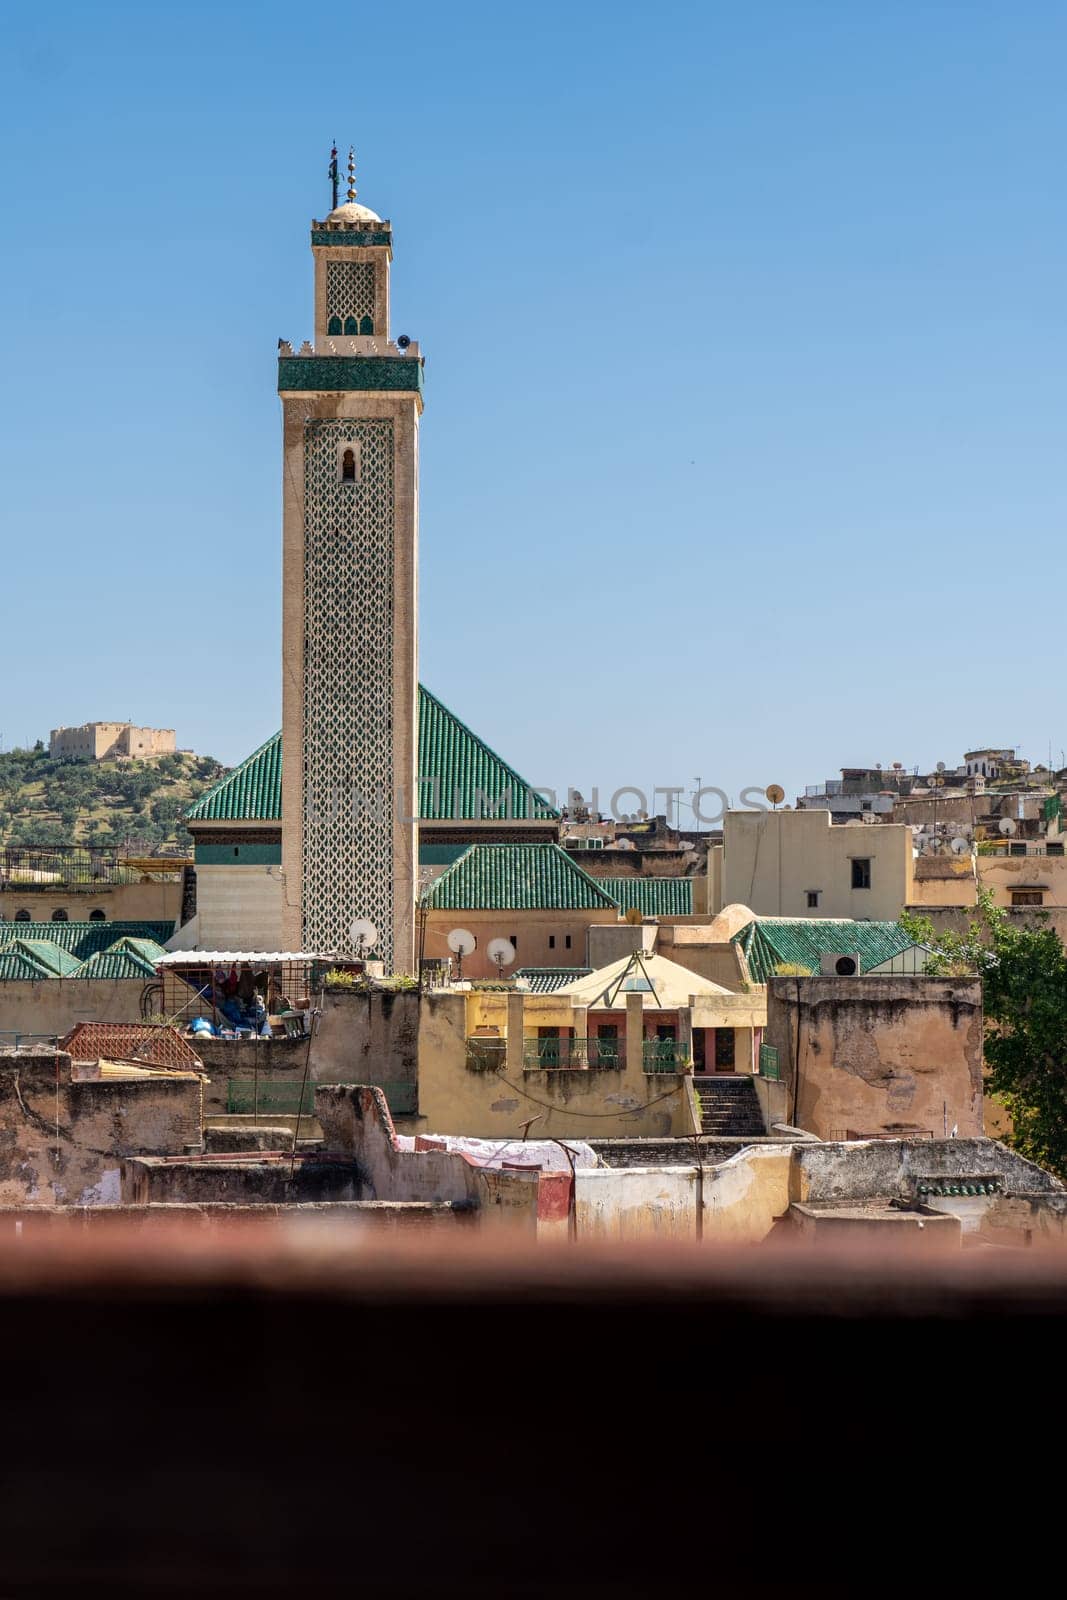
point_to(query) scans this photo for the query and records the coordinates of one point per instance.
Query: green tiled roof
(803, 941)
(653, 897)
(516, 877)
(466, 769)
(542, 980)
(252, 791)
(463, 765)
(45, 953)
(34, 959)
(83, 939)
(126, 958)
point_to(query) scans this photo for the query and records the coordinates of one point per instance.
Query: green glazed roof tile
(543, 980)
(463, 778)
(251, 791)
(80, 940)
(127, 958)
(803, 941)
(516, 877)
(653, 897)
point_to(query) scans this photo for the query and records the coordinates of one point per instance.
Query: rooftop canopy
(662, 984)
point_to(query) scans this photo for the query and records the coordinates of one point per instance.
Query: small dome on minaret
(351, 212)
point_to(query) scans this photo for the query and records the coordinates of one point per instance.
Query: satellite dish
(775, 793)
(501, 952)
(1007, 826)
(959, 846)
(940, 766)
(362, 934)
(462, 943)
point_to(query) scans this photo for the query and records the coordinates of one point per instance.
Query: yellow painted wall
(568, 1102)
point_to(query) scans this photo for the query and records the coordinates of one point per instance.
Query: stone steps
(729, 1108)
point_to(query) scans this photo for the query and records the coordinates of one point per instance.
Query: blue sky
(742, 452)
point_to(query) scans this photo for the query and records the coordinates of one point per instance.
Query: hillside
(113, 804)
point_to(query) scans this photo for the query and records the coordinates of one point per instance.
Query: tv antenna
(363, 935)
(501, 953)
(462, 943)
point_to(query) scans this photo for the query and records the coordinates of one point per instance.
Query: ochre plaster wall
(54, 1005)
(879, 1054)
(531, 930)
(63, 1143)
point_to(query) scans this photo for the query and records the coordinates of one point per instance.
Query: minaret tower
(351, 405)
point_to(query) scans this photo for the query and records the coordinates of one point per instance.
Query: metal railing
(769, 1065)
(73, 867)
(486, 1055)
(663, 1055)
(550, 1055)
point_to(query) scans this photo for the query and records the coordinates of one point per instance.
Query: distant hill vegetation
(112, 804)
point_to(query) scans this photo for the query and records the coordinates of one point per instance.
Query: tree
(1024, 989)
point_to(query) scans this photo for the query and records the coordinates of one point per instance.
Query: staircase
(729, 1108)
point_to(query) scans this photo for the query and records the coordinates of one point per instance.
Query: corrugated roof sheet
(542, 980)
(516, 877)
(84, 939)
(465, 768)
(802, 941)
(653, 897)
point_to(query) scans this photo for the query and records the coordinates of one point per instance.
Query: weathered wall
(743, 1197)
(944, 880)
(63, 1143)
(54, 1005)
(891, 1167)
(740, 1199)
(261, 1180)
(249, 1061)
(1002, 874)
(367, 1038)
(879, 1054)
(774, 859)
(155, 901)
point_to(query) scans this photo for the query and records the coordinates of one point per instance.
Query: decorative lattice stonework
(350, 289)
(348, 693)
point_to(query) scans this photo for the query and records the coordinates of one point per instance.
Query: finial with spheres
(351, 174)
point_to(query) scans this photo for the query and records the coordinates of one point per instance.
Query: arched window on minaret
(351, 325)
(348, 467)
(367, 325)
(334, 325)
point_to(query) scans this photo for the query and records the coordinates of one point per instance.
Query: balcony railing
(664, 1055)
(486, 1055)
(78, 867)
(551, 1055)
